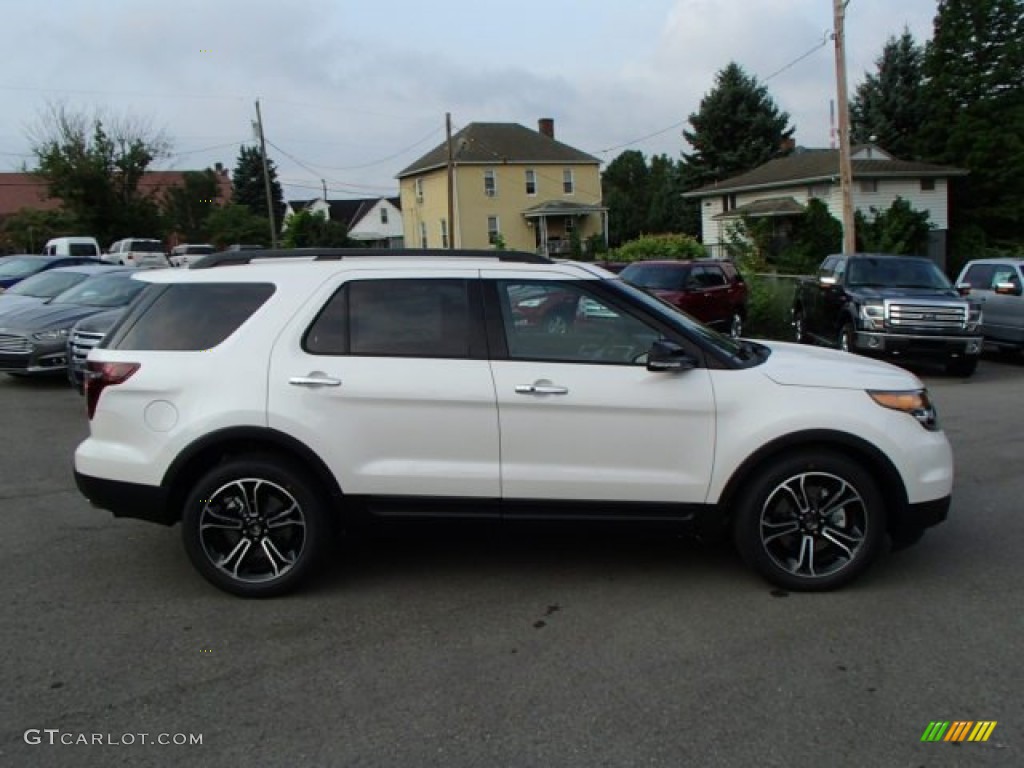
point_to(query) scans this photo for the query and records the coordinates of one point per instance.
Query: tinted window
(658, 277)
(193, 316)
(146, 246)
(560, 321)
(896, 273)
(102, 291)
(47, 284)
(709, 277)
(82, 249)
(395, 318)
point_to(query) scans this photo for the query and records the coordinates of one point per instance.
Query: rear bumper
(141, 502)
(925, 514)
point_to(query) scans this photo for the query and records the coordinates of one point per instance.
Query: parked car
(711, 290)
(184, 254)
(262, 404)
(996, 285)
(16, 268)
(901, 307)
(73, 246)
(43, 286)
(137, 252)
(33, 339)
(84, 335)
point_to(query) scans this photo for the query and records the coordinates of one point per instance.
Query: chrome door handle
(540, 389)
(314, 381)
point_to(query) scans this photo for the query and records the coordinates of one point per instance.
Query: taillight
(99, 376)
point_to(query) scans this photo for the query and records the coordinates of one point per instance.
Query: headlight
(872, 315)
(914, 402)
(974, 317)
(56, 334)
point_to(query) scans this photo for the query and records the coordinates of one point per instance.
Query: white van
(72, 246)
(184, 254)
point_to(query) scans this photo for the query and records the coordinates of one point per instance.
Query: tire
(846, 336)
(736, 324)
(788, 531)
(799, 329)
(962, 366)
(216, 525)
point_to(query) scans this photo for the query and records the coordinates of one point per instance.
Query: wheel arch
(218, 446)
(867, 455)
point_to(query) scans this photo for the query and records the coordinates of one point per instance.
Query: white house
(780, 189)
(374, 222)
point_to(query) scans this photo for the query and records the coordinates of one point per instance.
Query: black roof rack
(233, 258)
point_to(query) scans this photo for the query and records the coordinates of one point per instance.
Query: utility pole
(323, 183)
(845, 166)
(266, 176)
(451, 180)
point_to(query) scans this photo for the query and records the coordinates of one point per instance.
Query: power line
(824, 41)
(642, 138)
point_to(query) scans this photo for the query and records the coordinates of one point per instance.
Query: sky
(353, 91)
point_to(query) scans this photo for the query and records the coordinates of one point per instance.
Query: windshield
(660, 277)
(47, 284)
(677, 317)
(896, 273)
(20, 267)
(105, 291)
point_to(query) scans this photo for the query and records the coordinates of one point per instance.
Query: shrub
(666, 246)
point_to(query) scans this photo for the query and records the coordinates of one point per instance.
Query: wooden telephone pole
(266, 176)
(845, 165)
(451, 179)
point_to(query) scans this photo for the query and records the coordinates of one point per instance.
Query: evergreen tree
(888, 104)
(738, 127)
(249, 188)
(668, 211)
(975, 117)
(625, 186)
(187, 207)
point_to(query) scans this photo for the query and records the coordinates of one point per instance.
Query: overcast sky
(352, 91)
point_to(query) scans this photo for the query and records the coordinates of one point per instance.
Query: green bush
(769, 300)
(666, 246)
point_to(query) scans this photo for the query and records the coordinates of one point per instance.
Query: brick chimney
(546, 127)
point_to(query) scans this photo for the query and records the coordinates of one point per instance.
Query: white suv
(137, 252)
(261, 405)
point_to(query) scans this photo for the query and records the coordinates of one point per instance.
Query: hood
(807, 366)
(10, 302)
(880, 293)
(42, 317)
(100, 322)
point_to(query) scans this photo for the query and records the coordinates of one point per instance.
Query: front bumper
(39, 358)
(875, 342)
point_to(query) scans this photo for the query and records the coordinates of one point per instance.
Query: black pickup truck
(896, 306)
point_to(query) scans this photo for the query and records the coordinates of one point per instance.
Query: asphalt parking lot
(542, 650)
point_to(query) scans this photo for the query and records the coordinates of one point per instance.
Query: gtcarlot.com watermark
(56, 737)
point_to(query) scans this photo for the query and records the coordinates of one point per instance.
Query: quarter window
(394, 318)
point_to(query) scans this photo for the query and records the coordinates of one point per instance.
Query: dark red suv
(711, 290)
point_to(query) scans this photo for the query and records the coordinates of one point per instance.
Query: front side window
(531, 182)
(490, 183)
(708, 277)
(547, 320)
(394, 318)
(493, 229)
(568, 187)
(190, 316)
(979, 276)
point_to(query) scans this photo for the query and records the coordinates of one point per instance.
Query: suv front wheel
(810, 521)
(255, 526)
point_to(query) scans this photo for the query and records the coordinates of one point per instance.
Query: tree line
(956, 99)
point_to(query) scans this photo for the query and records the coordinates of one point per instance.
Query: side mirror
(1007, 289)
(666, 355)
(963, 288)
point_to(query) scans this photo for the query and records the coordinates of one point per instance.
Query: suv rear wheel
(810, 521)
(255, 526)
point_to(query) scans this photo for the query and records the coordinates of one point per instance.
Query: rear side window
(657, 277)
(394, 318)
(190, 316)
(82, 249)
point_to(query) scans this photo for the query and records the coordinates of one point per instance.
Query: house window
(444, 233)
(419, 190)
(728, 203)
(815, 191)
(383, 215)
(493, 229)
(570, 225)
(927, 185)
(868, 186)
(490, 183)
(531, 182)
(567, 184)
(423, 234)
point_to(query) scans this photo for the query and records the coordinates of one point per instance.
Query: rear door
(1003, 314)
(385, 376)
(718, 293)
(582, 419)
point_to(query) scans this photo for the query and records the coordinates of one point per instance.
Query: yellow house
(510, 185)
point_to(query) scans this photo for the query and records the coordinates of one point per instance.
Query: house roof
(561, 208)
(766, 208)
(347, 211)
(26, 190)
(810, 165)
(498, 143)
